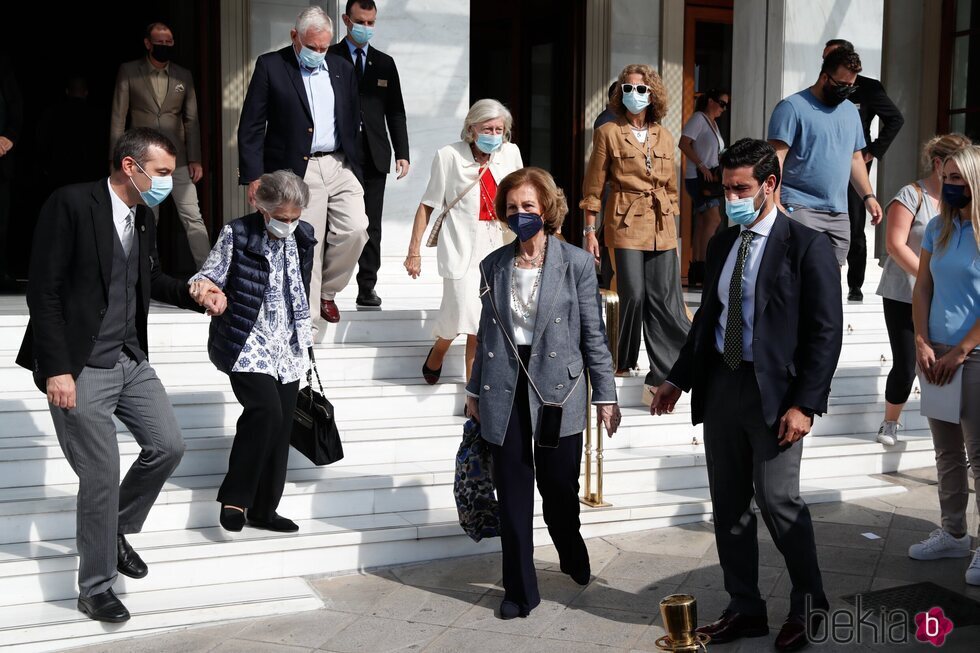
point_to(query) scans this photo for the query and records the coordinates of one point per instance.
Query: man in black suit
(758, 373)
(871, 100)
(381, 102)
(93, 272)
(302, 113)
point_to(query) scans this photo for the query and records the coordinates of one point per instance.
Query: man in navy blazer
(302, 113)
(758, 375)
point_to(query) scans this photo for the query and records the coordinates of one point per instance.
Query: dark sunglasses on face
(849, 87)
(642, 89)
(722, 103)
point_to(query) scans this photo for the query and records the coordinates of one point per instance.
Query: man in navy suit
(302, 113)
(759, 360)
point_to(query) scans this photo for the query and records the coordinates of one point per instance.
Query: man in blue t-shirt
(818, 137)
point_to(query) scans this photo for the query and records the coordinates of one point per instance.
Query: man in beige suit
(157, 93)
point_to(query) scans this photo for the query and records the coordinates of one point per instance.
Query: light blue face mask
(742, 211)
(635, 102)
(489, 143)
(361, 33)
(160, 187)
(311, 58)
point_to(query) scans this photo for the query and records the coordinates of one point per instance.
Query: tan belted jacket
(642, 205)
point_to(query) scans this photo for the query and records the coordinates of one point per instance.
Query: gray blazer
(569, 336)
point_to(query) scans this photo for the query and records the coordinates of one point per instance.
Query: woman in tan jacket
(635, 156)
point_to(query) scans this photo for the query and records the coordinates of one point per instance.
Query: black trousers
(374, 198)
(651, 302)
(857, 255)
(744, 460)
(516, 463)
(901, 336)
(257, 465)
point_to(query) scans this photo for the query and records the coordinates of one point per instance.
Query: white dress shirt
(750, 274)
(319, 92)
(123, 217)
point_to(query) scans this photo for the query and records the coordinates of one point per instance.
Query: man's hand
(401, 167)
(195, 170)
(665, 399)
(609, 416)
(875, 209)
(473, 408)
(868, 156)
(252, 187)
(5, 145)
(793, 426)
(215, 303)
(591, 244)
(61, 391)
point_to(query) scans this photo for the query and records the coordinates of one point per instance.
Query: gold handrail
(610, 304)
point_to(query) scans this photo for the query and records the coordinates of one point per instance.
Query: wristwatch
(589, 229)
(865, 198)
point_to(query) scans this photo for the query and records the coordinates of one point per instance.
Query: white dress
(464, 240)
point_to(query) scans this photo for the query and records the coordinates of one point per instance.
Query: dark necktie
(359, 63)
(733, 326)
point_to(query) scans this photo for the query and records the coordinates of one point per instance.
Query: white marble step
(193, 557)
(55, 624)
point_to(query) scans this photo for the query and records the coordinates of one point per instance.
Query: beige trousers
(185, 197)
(950, 440)
(336, 211)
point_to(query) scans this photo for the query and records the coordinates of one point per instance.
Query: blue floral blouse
(283, 331)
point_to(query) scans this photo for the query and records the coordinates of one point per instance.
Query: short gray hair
(281, 188)
(313, 18)
(482, 111)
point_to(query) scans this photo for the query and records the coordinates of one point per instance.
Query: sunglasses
(722, 103)
(642, 89)
(849, 87)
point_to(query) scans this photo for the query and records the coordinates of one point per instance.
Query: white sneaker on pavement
(973, 571)
(888, 433)
(941, 544)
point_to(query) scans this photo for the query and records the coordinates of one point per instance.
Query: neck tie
(359, 63)
(733, 326)
(127, 233)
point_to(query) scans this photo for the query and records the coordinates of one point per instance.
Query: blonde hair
(551, 199)
(940, 147)
(658, 92)
(482, 111)
(968, 161)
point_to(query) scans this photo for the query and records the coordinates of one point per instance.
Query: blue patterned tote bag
(476, 501)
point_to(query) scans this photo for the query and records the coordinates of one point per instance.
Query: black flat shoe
(128, 562)
(103, 607)
(231, 519)
(277, 523)
(510, 610)
(368, 300)
(431, 376)
(581, 576)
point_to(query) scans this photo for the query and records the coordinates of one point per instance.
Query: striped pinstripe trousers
(132, 392)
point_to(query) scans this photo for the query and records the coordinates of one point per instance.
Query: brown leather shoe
(792, 636)
(329, 310)
(733, 625)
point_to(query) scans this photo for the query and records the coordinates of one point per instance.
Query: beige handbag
(437, 225)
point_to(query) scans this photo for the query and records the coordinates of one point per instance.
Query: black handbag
(315, 433)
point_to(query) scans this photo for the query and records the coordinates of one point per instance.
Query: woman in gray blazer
(540, 331)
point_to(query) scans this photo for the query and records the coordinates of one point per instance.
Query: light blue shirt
(955, 269)
(353, 46)
(750, 274)
(822, 141)
(319, 92)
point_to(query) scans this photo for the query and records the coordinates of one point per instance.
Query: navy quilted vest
(248, 275)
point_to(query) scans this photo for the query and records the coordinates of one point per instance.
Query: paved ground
(449, 605)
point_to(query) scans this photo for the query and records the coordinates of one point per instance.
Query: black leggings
(901, 335)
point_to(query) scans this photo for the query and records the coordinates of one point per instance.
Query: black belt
(317, 155)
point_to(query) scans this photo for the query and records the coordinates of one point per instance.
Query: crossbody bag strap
(437, 224)
(517, 353)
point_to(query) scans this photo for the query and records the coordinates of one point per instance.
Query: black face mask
(162, 53)
(834, 94)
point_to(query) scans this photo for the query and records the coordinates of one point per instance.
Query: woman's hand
(925, 357)
(210, 296)
(706, 173)
(609, 416)
(413, 265)
(473, 408)
(944, 368)
(591, 244)
(200, 288)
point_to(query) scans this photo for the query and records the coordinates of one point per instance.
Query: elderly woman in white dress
(463, 183)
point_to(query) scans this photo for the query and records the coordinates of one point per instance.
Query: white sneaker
(888, 433)
(973, 572)
(941, 544)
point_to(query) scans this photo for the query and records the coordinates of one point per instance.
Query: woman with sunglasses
(635, 155)
(701, 142)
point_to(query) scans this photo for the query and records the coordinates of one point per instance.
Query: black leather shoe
(103, 607)
(128, 562)
(793, 636)
(277, 523)
(510, 610)
(368, 300)
(581, 576)
(733, 625)
(231, 519)
(855, 295)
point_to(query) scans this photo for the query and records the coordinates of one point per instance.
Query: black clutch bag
(315, 433)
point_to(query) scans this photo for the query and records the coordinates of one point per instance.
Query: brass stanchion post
(610, 302)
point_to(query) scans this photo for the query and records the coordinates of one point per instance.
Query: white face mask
(281, 229)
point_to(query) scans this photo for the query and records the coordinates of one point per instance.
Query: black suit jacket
(871, 101)
(275, 131)
(798, 321)
(71, 264)
(381, 102)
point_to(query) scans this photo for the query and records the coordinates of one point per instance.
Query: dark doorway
(54, 148)
(528, 55)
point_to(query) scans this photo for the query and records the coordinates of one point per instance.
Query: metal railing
(610, 306)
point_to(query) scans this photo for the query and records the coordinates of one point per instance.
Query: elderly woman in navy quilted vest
(262, 262)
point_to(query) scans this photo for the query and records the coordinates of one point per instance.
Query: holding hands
(210, 296)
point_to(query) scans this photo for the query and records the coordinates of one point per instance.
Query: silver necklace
(522, 308)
